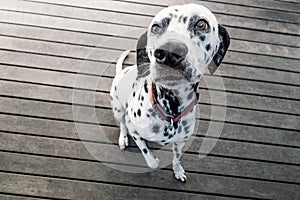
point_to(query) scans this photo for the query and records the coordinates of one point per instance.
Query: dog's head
(182, 41)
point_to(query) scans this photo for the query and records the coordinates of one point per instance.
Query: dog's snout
(171, 53)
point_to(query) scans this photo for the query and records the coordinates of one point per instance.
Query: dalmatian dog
(155, 100)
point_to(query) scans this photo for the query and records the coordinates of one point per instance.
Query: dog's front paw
(179, 173)
(123, 141)
(153, 163)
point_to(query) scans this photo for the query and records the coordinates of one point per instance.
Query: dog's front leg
(151, 161)
(177, 168)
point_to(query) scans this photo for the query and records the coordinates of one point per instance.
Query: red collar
(165, 115)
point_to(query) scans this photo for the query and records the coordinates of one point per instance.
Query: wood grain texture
(58, 138)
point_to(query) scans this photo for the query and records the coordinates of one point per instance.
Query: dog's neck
(177, 99)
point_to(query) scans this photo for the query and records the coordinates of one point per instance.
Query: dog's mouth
(174, 71)
(183, 72)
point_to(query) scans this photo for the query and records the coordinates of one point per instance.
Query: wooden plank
(88, 82)
(208, 165)
(236, 10)
(142, 21)
(17, 197)
(70, 24)
(95, 171)
(83, 189)
(233, 115)
(236, 33)
(228, 148)
(71, 64)
(65, 129)
(244, 46)
(262, 61)
(293, 2)
(266, 4)
(106, 55)
(63, 95)
(92, 40)
(150, 11)
(236, 151)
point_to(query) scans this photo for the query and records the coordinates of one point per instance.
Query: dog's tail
(120, 61)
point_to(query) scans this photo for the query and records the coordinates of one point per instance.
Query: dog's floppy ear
(142, 59)
(220, 54)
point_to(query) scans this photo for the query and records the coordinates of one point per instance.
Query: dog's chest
(144, 119)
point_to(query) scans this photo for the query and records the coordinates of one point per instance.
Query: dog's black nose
(171, 53)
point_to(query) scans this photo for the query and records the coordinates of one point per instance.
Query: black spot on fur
(115, 87)
(184, 19)
(214, 29)
(186, 137)
(134, 114)
(165, 22)
(202, 38)
(142, 98)
(141, 104)
(145, 151)
(142, 139)
(208, 47)
(133, 94)
(180, 18)
(153, 114)
(170, 136)
(177, 155)
(187, 129)
(148, 115)
(156, 128)
(179, 129)
(163, 141)
(146, 86)
(166, 132)
(176, 149)
(176, 10)
(165, 103)
(126, 105)
(134, 137)
(184, 122)
(139, 112)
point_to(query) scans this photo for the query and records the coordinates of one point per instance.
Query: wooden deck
(47, 45)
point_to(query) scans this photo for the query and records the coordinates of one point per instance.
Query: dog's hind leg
(119, 114)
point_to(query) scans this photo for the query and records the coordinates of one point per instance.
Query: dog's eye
(201, 25)
(156, 28)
